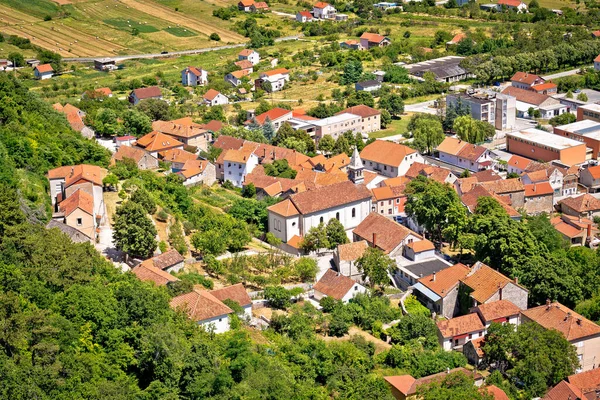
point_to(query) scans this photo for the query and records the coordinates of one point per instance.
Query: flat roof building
(589, 111)
(541, 145)
(587, 131)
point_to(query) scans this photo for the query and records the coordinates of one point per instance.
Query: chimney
(547, 304)
(433, 279)
(568, 315)
(265, 151)
(516, 280)
(589, 230)
(374, 239)
(499, 293)
(578, 321)
(447, 370)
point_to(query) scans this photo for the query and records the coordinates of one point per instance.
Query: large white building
(348, 202)
(192, 76)
(239, 163)
(388, 158)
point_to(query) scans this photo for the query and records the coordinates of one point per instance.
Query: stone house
(143, 159)
(337, 286)
(539, 198)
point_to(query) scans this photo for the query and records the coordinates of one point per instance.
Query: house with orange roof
(143, 159)
(578, 330)
(581, 386)
(510, 4)
(499, 311)
(405, 386)
(186, 131)
(465, 155)
(388, 158)
(276, 115)
(259, 6)
(385, 234)
(77, 211)
(369, 40)
(194, 76)
(590, 178)
(43, 71)
(513, 189)
(484, 284)
(525, 80)
(438, 174)
(517, 164)
(419, 250)
(539, 198)
(352, 44)
(177, 158)
(370, 117)
(251, 55)
(273, 80)
(245, 64)
(155, 142)
(455, 332)
(438, 291)
(235, 77)
(149, 273)
(548, 88)
(470, 199)
(77, 197)
(75, 118)
(137, 95)
(347, 202)
(456, 39)
(237, 163)
(578, 231)
(582, 206)
(244, 5)
(337, 286)
(389, 201)
(198, 171)
(207, 308)
(304, 16)
(322, 10)
(214, 98)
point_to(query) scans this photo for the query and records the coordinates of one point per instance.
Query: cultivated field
(79, 28)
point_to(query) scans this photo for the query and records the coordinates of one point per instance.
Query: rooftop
(526, 77)
(200, 305)
(373, 37)
(334, 285)
(352, 251)
(424, 268)
(462, 325)
(485, 282)
(236, 293)
(78, 200)
(361, 110)
(548, 139)
(442, 282)
(383, 232)
(329, 196)
(526, 96)
(583, 203)
(556, 316)
(147, 93)
(407, 385)
(157, 141)
(442, 67)
(539, 189)
(145, 272)
(336, 119)
(386, 152)
(165, 260)
(497, 310)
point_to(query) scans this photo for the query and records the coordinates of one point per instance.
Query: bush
(306, 269)
(278, 297)
(162, 246)
(215, 37)
(162, 216)
(195, 279)
(328, 304)
(414, 307)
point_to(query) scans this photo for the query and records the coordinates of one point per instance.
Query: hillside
(79, 28)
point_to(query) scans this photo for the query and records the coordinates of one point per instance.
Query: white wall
(362, 209)
(356, 289)
(284, 228)
(236, 172)
(220, 323)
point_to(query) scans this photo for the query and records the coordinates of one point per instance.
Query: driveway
(106, 247)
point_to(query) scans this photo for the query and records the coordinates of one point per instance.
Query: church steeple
(355, 168)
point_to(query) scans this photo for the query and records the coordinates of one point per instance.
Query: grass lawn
(397, 127)
(180, 32)
(128, 25)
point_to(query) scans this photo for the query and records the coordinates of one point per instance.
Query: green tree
(360, 97)
(215, 37)
(352, 71)
(142, 197)
(393, 103)
(468, 130)
(133, 231)
(110, 180)
(427, 133)
(454, 386)
(136, 123)
(278, 297)
(249, 191)
(268, 130)
(155, 109)
(306, 268)
(316, 239)
(582, 96)
(376, 266)
(562, 119)
(327, 143)
(280, 168)
(16, 58)
(419, 327)
(336, 233)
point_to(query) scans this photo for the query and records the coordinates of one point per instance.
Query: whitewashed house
(237, 163)
(464, 154)
(337, 286)
(250, 55)
(388, 158)
(214, 98)
(193, 76)
(323, 10)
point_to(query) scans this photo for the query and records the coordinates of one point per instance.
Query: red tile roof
(200, 305)
(241, 73)
(213, 126)
(123, 152)
(321, 4)
(498, 309)
(373, 37)
(182, 127)
(526, 96)
(105, 91)
(386, 233)
(329, 196)
(282, 71)
(211, 94)
(177, 155)
(236, 293)
(594, 171)
(385, 152)
(519, 162)
(510, 3)
(421, 246)
(544, 86)
(147, 93)
(445, 280)
(165, 260)
(352, 251)
(407, 385)
(273, 114)
(146, 272)
(261, 4)
(195, 71)
(495, 392)
(333, 285)
(538, 189)
(157, 141)
(485, 282)
(284, 208)
(361, 110)
(457, 38)
(564, 391)
(306, 14)
(78, 200)
(247, 52)
(584, 203)
(243, 64)
(556, 316)
(526, 78)
(460, 325)
(193, 167)
(42, 69)
(586, 381)
(225, 142)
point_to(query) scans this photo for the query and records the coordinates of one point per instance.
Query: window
(229, 164)
(470, 336)
(79, 221)
(397, 201)
(355, 287)
(293, 224)
(321, 220)
(390, 202)
(337, 216)
(389, 211)
(220, 319)
(353, 212)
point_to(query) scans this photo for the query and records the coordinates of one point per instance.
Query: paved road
(424, 107)
(563, 74)
(173, 53)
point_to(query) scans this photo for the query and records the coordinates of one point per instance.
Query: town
(319, 206)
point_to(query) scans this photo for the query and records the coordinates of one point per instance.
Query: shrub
(162, 216)
(278, 297)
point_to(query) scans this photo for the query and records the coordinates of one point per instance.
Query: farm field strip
(180, 19)
(12, 16)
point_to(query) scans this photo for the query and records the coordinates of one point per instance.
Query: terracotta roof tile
(157, 141)
(526, 96)
(193, 167)
(243, 64)
(498, 309)
(284, 208)
(457, 38)
(123, 152)
(333, 285)
(261, 4)
(321, 4)
(470, 199)
(43, 68)
(451, 145)
(396, 181)
(273, 114)
(146, 272)
(460, 325)
(567, 229)
(200, 305)
(213, 126)
(165, 260)
(510, 3)
(504, 186)
(445, 280)
(385, 152)
(556, 316)
(544, 86)
(594, 171)
(78, 200)
(306, 14)
(525, 77)
(183, 128)
(236, 293)
(147, 93)
(177, 155)
(361, 110)
(472, 152)
(584, 203)
(239, 155)
(352, 251)
(228, 142)
(564, 391)
(421, 246)
(485, 281)
(211, 94)
(85, 172)
(247, 52)
(241, 73)
(402, 383)
(388, 233)
(282, 71)
(586, 381)
(329, 196)
(495, 392)
(519, 162)
(383, 193)
(194, 70)
(408, 385)
(538, 189)
(487, 175)
(373, 37)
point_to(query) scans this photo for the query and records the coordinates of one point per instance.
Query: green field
(180, 32)
(128, 25)
(35, 8)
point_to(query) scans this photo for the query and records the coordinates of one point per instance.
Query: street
(564, 73)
